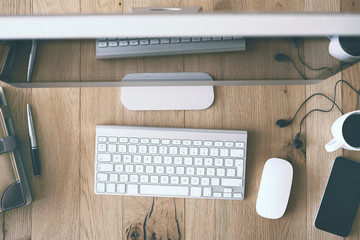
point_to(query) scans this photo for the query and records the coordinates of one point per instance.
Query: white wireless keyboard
(142, 47)
(170, 162)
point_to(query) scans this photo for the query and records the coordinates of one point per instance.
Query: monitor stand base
(167, 97)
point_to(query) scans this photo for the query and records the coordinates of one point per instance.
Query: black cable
(320, 68)
(332, 100)
(301, 74)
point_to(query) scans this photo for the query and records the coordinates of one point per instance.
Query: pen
(31, 59)
(33, 146)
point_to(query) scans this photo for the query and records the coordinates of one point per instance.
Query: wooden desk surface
(65, 206)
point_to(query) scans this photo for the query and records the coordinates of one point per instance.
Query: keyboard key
(102, 177)
(219, 144)
(134, 178)
(102, 44)
(180, 170)
(210, 171)
(205, 181)
(144, 41)
(240, 171)
(175, 40)
(208, 161)
(231, 172)
(116, 158)
(101, 147)
(154, 41)
(178, 160)
(164, 179)
(198, 161)
(207, 192)
(123, 43)
(120, 188)
(100, 187)
(164, 40)
(220, 172)
(139, 168)
(238, 195)
(104, 157)
(231, 182)
(113, 44)
(144, 140)
(113, 139)
(188, 161)
(195, 181)
(159, 169)
(105, 167)
(124, 177)
(229, 162)
(237, 153)
(129, 168)
(144, 178)
(239, 144)
(110, 187)
(133, 42)
(200, 171)
(224, 152)
(184, 180)
(122, 148)
(195, 191)
(214, 152)
(113, 177)
(154, 179)
(164, 190)
(217, 194)
(215, 181)
(132, 189)
(119, 168)
(101, 139)
(170, 170)
(174, 180)
(219, 162)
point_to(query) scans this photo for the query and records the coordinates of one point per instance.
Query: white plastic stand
(168, 97)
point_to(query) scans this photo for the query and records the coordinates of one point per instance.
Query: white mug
(343, 138)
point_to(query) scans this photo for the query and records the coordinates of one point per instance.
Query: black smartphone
(341, 198)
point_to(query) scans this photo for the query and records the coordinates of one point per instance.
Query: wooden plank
(56, 192)
(100, 216)
(318, 161)
(55, 210)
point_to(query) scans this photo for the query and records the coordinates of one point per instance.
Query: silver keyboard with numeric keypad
(170, 162)
(145, 47)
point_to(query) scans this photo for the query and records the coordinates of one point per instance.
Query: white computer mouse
(274, 188)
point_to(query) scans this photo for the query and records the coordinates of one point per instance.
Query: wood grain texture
(100, 216)
(65, 206)
(318, 161)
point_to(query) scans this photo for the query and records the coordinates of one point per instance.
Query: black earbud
(297, 143)
(281, 57)
(283, 123)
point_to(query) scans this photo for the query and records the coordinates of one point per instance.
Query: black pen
(33, 146)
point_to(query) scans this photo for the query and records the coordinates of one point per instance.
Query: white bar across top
(168, 25)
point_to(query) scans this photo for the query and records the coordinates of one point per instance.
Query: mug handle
(333, 145)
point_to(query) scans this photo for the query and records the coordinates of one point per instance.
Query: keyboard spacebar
(164, 190)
